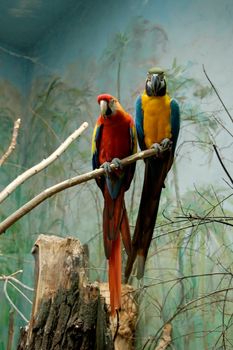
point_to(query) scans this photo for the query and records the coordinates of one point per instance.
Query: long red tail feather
(125, 232)
(115, 276)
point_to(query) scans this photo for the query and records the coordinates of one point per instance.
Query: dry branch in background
(77, 180)
(43, 164)
(10, 330)
(13, 142)
(216, 92)
(165, 339)
(221, 162)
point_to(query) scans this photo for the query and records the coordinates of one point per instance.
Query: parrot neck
(115, 117)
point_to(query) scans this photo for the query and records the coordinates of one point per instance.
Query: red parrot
(114, 138)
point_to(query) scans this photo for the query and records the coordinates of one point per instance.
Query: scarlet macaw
(157, 125)
(114, 138)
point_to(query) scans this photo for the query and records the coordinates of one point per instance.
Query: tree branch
(43, 164)
(221, 162)
(13, 142)
(77, 180)
(215, 90)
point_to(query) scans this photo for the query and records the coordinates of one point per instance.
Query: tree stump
(124, 331)
(68, 312)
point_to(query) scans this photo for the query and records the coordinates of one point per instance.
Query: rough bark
(68, 312)
(123, 329)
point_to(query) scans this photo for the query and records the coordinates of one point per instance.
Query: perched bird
(114, 138)
(157, 125)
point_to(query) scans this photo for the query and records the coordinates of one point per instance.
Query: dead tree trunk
(68, 313)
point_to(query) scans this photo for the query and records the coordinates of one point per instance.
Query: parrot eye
(112, 105)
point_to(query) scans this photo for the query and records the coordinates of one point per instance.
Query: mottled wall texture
(108, 47)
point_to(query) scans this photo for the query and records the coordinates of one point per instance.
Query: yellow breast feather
(156, 120)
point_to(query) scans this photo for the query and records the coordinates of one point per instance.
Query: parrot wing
(175, 123)
(139, 123)
(96, 136)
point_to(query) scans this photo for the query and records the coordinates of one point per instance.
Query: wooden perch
(77, 180)
(43, 164)
(68, 312)
(13, 142)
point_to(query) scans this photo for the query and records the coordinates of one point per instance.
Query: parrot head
(155, 82)
(108, 105)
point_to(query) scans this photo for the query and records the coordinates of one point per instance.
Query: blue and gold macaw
(157, 125)
(114, 138)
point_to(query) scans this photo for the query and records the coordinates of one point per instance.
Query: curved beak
(103, 107)
(155, 83)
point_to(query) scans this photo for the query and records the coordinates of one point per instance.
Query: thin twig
(11, 302)
(13, 142)
(185, 308)
(77, 180)
(43, 164)
(24, 295)
(12, 278)
(10, 330)
(221, 162)
(215, 90)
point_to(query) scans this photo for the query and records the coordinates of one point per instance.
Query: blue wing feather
(139, 122)
(95, 146)
(175, 122)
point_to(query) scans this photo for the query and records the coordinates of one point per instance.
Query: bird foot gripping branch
(108, 168)
(165, 144)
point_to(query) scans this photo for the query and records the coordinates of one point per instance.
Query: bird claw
(165, 143)
(117, 163)
(158, 149)
(106, 167)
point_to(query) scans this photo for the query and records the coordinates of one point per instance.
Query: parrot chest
(156, 121)
(115, 141)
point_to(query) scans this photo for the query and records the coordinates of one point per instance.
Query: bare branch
(208, 219)
(13, 142)
(221, 162)
(215, 90)
(10, 330)
(11, 302)
(43, 164)
(185, 308)
(77, 180)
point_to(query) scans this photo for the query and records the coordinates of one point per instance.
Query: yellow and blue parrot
(157, 125)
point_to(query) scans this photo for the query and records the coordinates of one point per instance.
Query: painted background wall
(53, 83)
